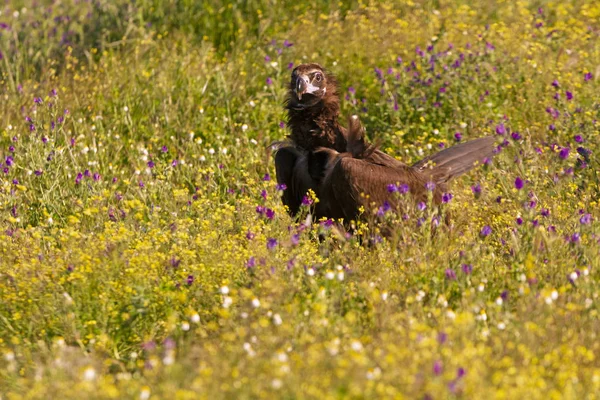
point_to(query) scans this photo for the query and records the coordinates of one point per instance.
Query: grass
(134, 149)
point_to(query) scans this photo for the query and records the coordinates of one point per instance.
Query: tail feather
(457, 160)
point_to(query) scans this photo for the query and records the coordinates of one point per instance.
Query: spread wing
(351, 183)
(456, 160)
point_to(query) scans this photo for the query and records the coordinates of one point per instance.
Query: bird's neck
(317, 126)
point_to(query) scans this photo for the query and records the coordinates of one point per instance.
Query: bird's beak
(301, 86)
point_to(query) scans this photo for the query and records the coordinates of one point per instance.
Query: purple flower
(437, 367)
(9, 160)
(466, 268)
(450, 274)
(460, 373)
(31, 128)
(569, 95)
(270, 214)
(442, 337)
(263, 194)
(38, 172)
(96, 176)
(269, 81)
(519, 183)
(190, 279)
(267, 177)
(585, 219)
(78, 178)
(447, 197)
(458, 136)
(267, 58)
(476, 189)
(516, 136)
(587, 77)
(38, 100)
(552, 127)
(249, 235)
(151, 164)
(421, 206)
(251, 263)
(578, 138)
(306, 201)
(287, 43)
(281, 186)
(519, 221)
(430, 186)
(391, 188)
(164, 149)
(271, 243)
(260, 210)
(564, 153)
(404, 188)
(575, 238)
(500, 129)
(485, 231)
(555, 83)
(295, 239)
(290, 65)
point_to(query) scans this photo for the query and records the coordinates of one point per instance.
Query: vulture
(341, 168)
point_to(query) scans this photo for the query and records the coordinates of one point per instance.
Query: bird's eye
(318, 77)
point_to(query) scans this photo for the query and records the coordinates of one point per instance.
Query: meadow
(145, 252)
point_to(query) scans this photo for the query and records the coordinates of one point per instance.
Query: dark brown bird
(341, 168)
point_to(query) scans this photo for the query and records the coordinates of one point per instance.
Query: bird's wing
(456, 160)
(351, 183)
(291, 168)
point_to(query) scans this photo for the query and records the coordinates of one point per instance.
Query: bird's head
(309, 85)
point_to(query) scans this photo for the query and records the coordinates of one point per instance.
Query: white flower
(463, 125)
(168, 359)
(252, 103)
(384, 296)
(185, 326)
(10, 356)
(211, 151)
(126, 109)
(501, 326)
(329, 275)
(310, 272)
(255, 303)
(585, 272)
(202, 158)
(253, 141)
(224, 290)
(573, 276)
(277, 319)
(195, 318)
(145, 394)
(50, 221)
(244, 127)
(276, 383)
(89, 374)
(436, 132)
(227, 301)
(274, 64)
(554, 295)
(499, 301)
(340, 276)
(356, 345)
(282, 357)
(481, 287)
(450, 314)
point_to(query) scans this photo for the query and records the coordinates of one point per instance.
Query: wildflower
(500, 129)
(450, 274)
(519, 183)
(458, 136)
(266, 177)
(251, 263)
(476, 189)
(564, 153)
(190, 280)
(587, 77)
(421, 206)
(447, 197)
(281, 186)
(269, 81)
(437, 367)
(270, 214)
(391, 188)
(516, 136)
(519, 221)
(485, 231)
(569, 95)
(271, 243)
(430, 186)
(585, 219)
(555, 84)
(467, 268)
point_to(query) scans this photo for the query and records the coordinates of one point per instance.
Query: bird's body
(346, 173)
